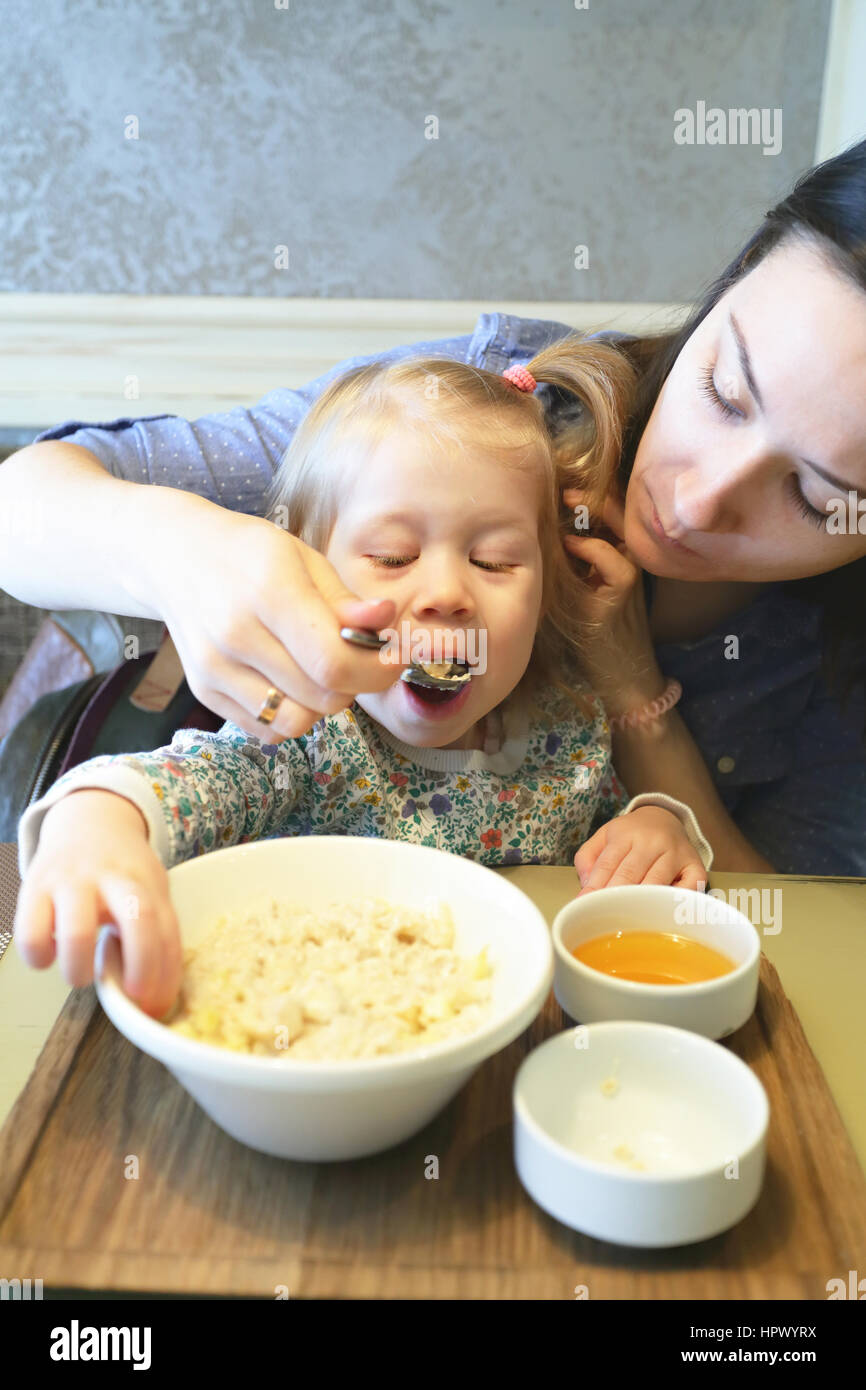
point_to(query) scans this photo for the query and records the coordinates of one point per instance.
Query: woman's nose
(714, 496)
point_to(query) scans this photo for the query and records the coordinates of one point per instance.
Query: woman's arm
(76, 537)
(661, 755)
(91, 513)
(619, 661)
(248, 606)
(162, 518)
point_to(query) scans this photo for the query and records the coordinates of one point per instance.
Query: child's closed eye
(395, 561)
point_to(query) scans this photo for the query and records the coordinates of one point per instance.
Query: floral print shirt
(542, 785)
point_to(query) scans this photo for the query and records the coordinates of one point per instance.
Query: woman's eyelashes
(395, 561)
(708, 386)
(804, 507)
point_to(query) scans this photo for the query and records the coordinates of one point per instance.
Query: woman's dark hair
(827, 206)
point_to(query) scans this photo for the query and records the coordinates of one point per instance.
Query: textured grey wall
(305, 126)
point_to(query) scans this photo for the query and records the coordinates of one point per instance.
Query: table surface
(819, 952)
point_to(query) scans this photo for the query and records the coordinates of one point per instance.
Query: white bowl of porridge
(338, 991)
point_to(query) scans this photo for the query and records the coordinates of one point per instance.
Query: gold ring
(270, 705)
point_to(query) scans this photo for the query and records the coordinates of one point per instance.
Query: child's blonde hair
(450, 402)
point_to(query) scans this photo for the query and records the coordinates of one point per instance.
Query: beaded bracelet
(672, 692)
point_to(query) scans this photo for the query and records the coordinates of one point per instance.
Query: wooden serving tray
(207, 1215)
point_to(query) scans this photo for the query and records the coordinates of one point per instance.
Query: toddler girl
(437, 485)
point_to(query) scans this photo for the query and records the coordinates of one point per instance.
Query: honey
(653, 957)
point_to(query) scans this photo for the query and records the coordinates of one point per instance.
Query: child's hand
(649, 845)
(93, 865)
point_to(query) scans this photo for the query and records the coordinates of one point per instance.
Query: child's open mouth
(435, 695)
(432, 703)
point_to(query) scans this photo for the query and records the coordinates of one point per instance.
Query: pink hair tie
(521, 378)
(645, 715)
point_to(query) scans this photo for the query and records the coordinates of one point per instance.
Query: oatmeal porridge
(358, 979)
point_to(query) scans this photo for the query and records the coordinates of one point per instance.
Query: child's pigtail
(585, 447)
(602, 378)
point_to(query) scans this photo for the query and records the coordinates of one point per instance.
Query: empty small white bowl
(713, 1008)
(639, 1133)
(327, 1110)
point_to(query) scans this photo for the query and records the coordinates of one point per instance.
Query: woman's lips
(445, 709)
(662, 534)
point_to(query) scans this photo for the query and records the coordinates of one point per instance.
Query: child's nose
(442, 590)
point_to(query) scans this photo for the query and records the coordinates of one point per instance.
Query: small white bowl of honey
(656, 954)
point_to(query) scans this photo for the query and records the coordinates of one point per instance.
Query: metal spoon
(458, 672)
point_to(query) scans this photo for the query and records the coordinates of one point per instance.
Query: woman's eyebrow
(746, 364)
(745, 361)
(845, 487)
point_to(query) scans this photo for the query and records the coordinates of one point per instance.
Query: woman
(747, 421)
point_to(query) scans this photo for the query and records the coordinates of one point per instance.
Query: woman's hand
(617, 656)
(248, 606)
(93, 865)
(649, 845)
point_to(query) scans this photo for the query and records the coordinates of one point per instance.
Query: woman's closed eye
(395, 561)
(804, 507)
(708, 386)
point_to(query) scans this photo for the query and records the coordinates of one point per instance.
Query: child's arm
(94, 865)
(201, 792)
(96, 848)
